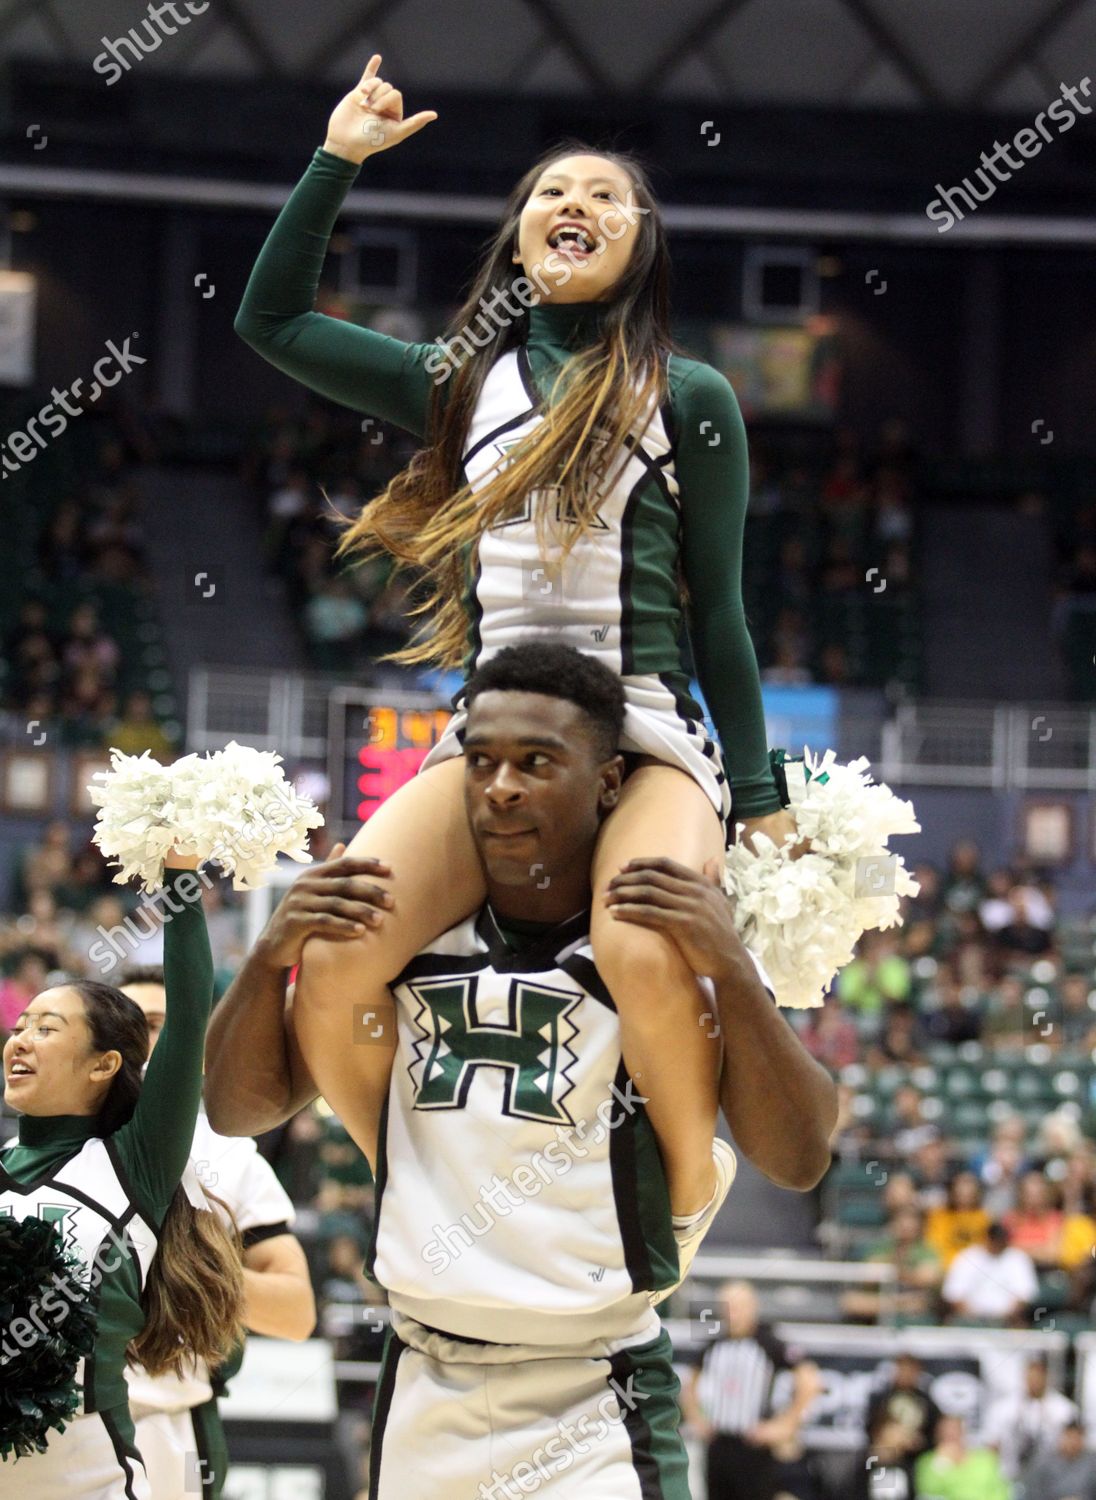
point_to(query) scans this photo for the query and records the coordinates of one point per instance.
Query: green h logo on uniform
(530, 1047)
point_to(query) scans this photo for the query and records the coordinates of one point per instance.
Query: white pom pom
(804, 917)
(233, 806)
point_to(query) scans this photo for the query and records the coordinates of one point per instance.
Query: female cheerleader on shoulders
(101, 1154)
(580, 480)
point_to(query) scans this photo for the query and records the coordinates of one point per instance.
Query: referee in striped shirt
(729, 1400)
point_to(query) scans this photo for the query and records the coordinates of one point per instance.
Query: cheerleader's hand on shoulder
(689, 908)
(370, 118)
(776, 826)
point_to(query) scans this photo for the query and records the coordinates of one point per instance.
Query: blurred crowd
(309, 476)
(831, 521)
(63, 665)
(828, 520)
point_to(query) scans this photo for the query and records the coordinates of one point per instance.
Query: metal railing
(1027, 747)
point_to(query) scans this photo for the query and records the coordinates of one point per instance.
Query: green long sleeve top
(392, 380)
(130, 1190)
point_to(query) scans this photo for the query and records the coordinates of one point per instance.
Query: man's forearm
(248, 1081)
(279, 1305)
(780, 1104)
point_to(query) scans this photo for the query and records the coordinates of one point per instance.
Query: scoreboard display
(378, 741)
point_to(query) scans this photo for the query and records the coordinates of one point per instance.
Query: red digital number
(384, 772)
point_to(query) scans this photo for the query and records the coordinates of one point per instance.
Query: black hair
(116, 1024)
(142, 974)
(558, 671)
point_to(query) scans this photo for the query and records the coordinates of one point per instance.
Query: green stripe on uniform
(647, 1389)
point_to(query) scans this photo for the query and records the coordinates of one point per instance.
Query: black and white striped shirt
(736, 1379)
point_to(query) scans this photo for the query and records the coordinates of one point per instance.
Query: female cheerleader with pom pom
(144, 1275)
(578, 473)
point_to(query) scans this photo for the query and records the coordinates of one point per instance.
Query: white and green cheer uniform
(519, 1261)
(680, 505)
(108, 1199)
(179, 1432)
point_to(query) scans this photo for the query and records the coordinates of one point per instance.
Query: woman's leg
(343, 1012)
(668, 1038)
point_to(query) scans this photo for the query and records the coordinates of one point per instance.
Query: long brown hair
(193, 1296)
(428, 518)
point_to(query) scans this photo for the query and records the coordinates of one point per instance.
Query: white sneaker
(689, 1240)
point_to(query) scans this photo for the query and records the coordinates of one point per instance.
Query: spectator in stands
(1002, 1164)
(929, 901)
(964, 1221)
(766, 498)
(1028, 932)
(1035, 1224)
(829, 1035)
(840, 572)
(344, 1280)
(43, 928)
(994, 909)
(48, 864)
(991, 1283)
(86, 701)
(138, 730)
(789, 641)
(892, 519)
(1022, 1426)
(1067, 1473)
(31, 656)
(953, 1020)
(793, 580)
(1078, 1179)
(877, 975)
(28, 976)
(964, 883)
(918, 1270)
(898, 1041)
(105, 912)
(952, 1471)
(1077, 1024)
(1006, 1024)
(833, 665)
(728, 1402)
(288, 503)
(787, 667)
(61, 550)
(335, 620)
(1080, 577)
(932, 1171)
(965, 946)
(1059, 1137)
(87, 646)
(902, 1417)
(909, 1126)
(88, 878)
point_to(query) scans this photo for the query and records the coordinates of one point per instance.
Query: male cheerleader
(179, 1431)
(523, 1224)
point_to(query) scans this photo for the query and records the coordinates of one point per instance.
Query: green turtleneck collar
(565, 322)
(55, 1130)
